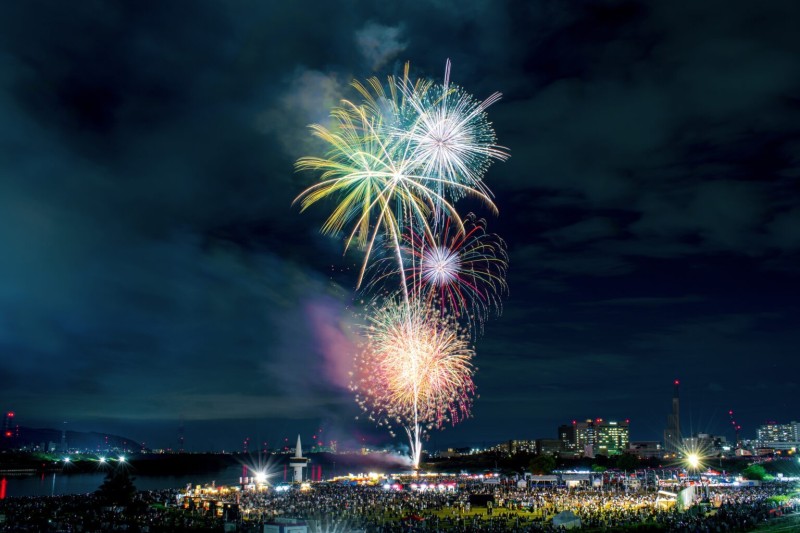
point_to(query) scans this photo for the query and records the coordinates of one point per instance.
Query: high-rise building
(595, 436)
(568, 436)
(772, 432)
(585, 434)
(613, 437)
(672, 433)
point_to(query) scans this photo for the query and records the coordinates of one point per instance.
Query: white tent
(566, 519)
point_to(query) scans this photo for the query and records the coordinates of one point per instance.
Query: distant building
(612, 437)
(513, 447)
(672, 433)
(774, 432)
(521, 446)
(646, 449)
(594, 436)
(568, 436)
(585, 434)
(708, 445)
(455, 452)
(500, 448)
(778, 436)
(548, 446)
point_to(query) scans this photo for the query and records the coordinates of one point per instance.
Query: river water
(58, 484)
(73, 483)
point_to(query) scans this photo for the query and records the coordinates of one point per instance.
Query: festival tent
(567, 520)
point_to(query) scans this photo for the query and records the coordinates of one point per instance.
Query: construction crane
(736, 427)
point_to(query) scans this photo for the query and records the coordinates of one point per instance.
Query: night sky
(153, 271)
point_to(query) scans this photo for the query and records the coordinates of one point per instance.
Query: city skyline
(574, 432)
(155, 274)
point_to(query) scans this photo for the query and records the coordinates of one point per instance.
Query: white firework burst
(440, 266)
(451, 137)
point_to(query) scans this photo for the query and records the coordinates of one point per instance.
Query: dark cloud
(154, 268)
(380, 44)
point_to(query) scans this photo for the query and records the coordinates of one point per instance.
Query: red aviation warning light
(736, 426)
(10, 414)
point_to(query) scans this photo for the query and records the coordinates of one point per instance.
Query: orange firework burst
(416, 369)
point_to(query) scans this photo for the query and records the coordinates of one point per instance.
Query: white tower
(298, 462)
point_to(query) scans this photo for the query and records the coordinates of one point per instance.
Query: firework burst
(373, 177)
(377, 167)
(397, 162)
(464, 270)
(452, 138)
(416, 369)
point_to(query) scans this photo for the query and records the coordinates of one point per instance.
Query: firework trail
(397, 162)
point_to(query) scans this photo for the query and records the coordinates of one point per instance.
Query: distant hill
(76, 440)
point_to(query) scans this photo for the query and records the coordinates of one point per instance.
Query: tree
(754, 472)
(626, 461)
(117, 489)
(543, 464)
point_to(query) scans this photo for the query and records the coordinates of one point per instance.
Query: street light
(693, 460)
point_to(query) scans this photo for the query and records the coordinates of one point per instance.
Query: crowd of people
(516, 509)
(341, 507)
(149, 511)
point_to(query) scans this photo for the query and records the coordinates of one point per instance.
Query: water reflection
(57, 484)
